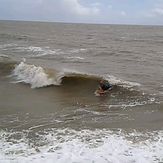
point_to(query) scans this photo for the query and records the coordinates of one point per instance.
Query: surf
(38, 76)
(81, 146)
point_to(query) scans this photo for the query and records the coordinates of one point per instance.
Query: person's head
(101, 81)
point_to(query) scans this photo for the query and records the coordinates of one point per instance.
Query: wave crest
(37, 77)
(31, 74)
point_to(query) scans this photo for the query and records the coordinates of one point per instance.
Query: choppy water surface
(48, 110)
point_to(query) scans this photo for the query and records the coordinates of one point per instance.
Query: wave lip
(33, 75)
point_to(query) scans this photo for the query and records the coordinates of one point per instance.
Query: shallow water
(48, 110)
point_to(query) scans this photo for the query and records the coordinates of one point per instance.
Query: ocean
(49, 111)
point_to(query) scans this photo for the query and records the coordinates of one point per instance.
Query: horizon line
(69, 22)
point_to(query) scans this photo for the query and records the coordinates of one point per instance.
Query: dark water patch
(75, 61)
(6, 36)
(81, 80)
(143, 41)
(106, 53)
(6, 67)
(125, 51)
(102, 47)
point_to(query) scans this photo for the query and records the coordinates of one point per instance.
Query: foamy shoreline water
(83, 146)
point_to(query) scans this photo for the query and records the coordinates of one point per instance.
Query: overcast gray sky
(84, 11)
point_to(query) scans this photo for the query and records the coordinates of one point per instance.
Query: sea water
(48, 110)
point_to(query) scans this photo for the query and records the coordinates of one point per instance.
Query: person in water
(104, 86)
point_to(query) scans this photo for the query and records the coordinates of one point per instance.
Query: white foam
(38, 51)
(7, 45)
(31, 74)
(74, 58)
(3, 56)
(114, 80)
(98, 146)
(77, 50)
(71, 51)
(43, 51)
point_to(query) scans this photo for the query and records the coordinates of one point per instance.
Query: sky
(145, 12)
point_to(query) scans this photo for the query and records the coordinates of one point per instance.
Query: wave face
(82, 85)
(6, 65)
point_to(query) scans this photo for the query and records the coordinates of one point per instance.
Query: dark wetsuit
(105, 86)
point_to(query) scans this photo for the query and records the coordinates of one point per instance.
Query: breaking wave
(33, 75)
(37, 77)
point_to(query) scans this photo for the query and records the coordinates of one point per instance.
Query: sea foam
(67, 145)
(33, 75)
(117, 81)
